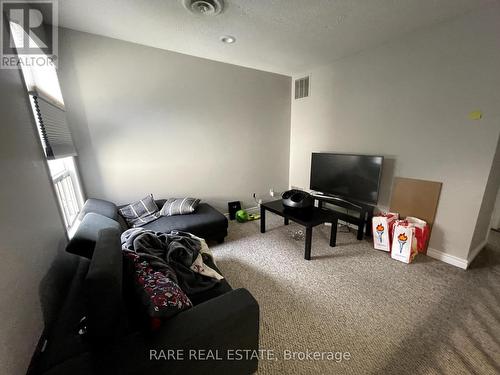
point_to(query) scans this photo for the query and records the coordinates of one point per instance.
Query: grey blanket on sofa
(174, 251)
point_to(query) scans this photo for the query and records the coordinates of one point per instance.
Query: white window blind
(53, 128)
(41, 79)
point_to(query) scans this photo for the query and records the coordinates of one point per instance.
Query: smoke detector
(204, 7)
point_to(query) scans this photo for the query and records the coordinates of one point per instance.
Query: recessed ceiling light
(228, 39)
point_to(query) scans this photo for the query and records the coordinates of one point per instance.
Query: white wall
(409, 100)
(31, 229)
(148, 120)
(483, 223)
(495, 217)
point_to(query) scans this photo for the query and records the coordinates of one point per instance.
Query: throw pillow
(179, 206)
(141, 212)
(157, 289)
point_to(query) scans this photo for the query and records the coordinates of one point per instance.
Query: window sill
(72, 229)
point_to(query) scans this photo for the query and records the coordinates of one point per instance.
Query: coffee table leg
(262, 220)
(307, 254)
(286, 221)
(368, 225)
(333, 232)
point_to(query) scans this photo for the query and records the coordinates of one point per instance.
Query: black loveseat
(97, 327)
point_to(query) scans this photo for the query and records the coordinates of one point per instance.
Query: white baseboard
(474, 252)
(253, 210)
(456, 261)
(447, 258)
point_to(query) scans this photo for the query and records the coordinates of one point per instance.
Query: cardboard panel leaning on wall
(417, 198)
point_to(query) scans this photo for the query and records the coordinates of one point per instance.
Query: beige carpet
(392, 318)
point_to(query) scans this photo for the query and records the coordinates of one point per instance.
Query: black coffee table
(309, 218)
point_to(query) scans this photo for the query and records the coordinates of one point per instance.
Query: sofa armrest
(85, 237)
(101, 207)
(220, 326)
(103, 289)
(230, 320)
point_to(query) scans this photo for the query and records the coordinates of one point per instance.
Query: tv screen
(355, 177)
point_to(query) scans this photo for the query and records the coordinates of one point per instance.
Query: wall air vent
(204, 7)
(302, 87)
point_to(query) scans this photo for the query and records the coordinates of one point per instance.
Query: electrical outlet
(258, 201)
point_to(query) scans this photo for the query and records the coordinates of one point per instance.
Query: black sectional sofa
(206, 222)
(95, 325)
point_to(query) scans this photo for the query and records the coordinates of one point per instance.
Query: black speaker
(297, 199)
(232, 208)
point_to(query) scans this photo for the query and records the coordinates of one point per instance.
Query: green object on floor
(241, 216)
(253, 217)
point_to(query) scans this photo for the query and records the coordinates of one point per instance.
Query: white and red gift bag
(382, 226)
(422, 233)
(404, 242)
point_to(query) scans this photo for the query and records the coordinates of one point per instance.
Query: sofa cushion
(205, 222)
(219, 289)
(84, 240)
(103, 288)
(179, 206)
(139, 213)
(101, 207)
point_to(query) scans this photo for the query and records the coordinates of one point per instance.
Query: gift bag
(422, 233)
(404, 242)
(382, 226)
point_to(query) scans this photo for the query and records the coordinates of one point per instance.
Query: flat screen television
(351, 177)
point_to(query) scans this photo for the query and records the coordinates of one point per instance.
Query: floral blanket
(157, 289)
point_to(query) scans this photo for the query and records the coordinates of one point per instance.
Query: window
(49, 112)
(65, 180)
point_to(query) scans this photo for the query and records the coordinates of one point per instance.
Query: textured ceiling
(282, 36)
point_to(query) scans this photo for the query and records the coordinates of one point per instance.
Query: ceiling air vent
(204, 7)
(302, 87)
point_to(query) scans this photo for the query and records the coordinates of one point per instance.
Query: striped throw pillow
(141, 212)
(179, 206)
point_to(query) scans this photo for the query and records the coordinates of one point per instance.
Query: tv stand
(331, 198)
(363, 222)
